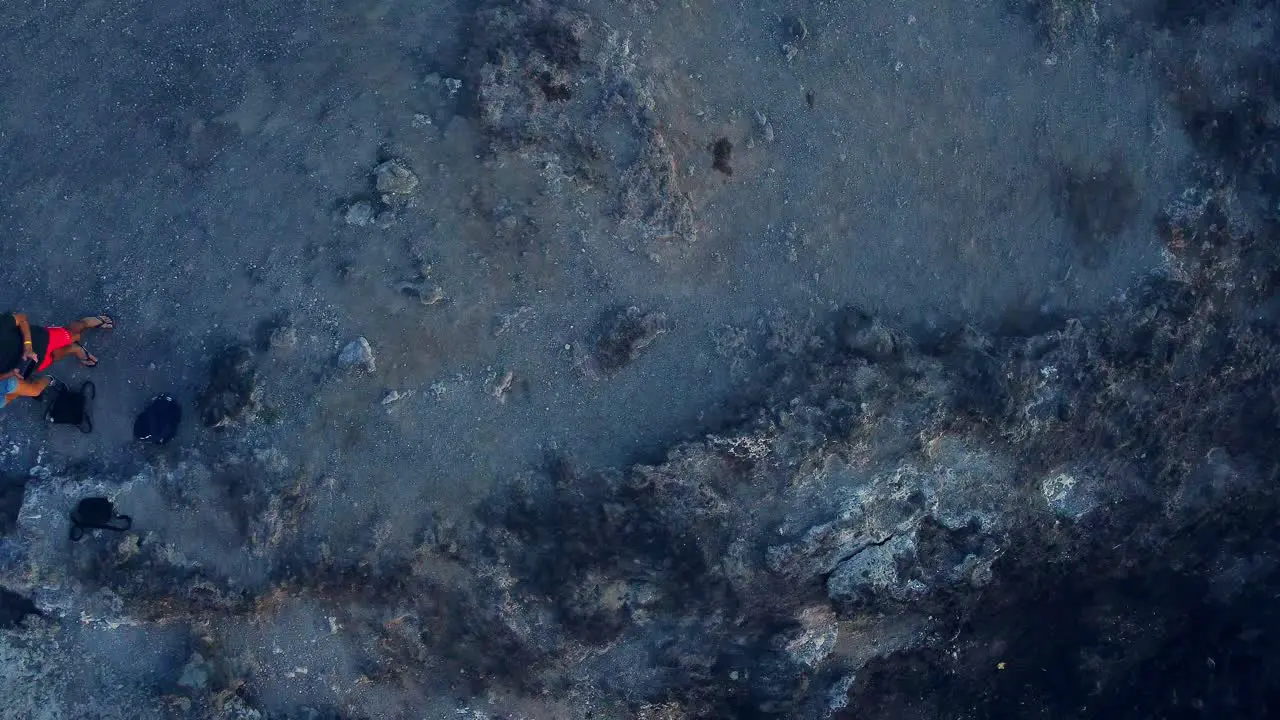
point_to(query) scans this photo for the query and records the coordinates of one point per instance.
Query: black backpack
(97, 513)
(71, 407)
(158, 422)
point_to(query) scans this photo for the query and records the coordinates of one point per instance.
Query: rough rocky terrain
(622, 360)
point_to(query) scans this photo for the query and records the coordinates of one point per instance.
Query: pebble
(357, 355)
(394, 396)
(359, 214)
(502, 385)
(283, 338)
(394, 177)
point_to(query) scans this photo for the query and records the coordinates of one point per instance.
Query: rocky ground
(609, 359)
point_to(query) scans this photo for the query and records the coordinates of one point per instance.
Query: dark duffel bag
(158, 422)
(71, 407)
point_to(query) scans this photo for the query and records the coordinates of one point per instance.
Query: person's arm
(24, 326)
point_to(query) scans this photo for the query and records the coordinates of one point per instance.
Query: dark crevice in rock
(13, 608)
(12, 491)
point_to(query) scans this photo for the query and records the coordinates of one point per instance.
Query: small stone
(815, 639)
(395, 396)
(421, 121)
(283, 338)
(394, 177)
(453, 85)
(129, 546)
(501, 386)
(764, 126)
(424, 293)
(359, 214)
(357, 355)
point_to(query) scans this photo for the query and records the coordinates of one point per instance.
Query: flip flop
(90, 360)
(105, 322)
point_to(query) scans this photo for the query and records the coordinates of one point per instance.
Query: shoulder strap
(89, 391)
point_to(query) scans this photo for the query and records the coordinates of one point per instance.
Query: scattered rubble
(391, 189)
(550, 78)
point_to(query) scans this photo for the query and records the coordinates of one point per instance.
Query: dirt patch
(232, 392)
(1176, 14)
(1099, 203)
(722, 156)
(624, 335)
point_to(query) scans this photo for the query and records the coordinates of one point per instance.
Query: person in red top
(20, 342)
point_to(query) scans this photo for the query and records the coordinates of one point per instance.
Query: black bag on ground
(71, 407)
(97, 513)
(158, 422)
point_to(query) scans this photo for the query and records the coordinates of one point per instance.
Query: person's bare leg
(85, 357)
(30, 388)
(95, 322)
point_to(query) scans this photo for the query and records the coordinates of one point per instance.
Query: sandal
(105, 322)
(89, 360)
